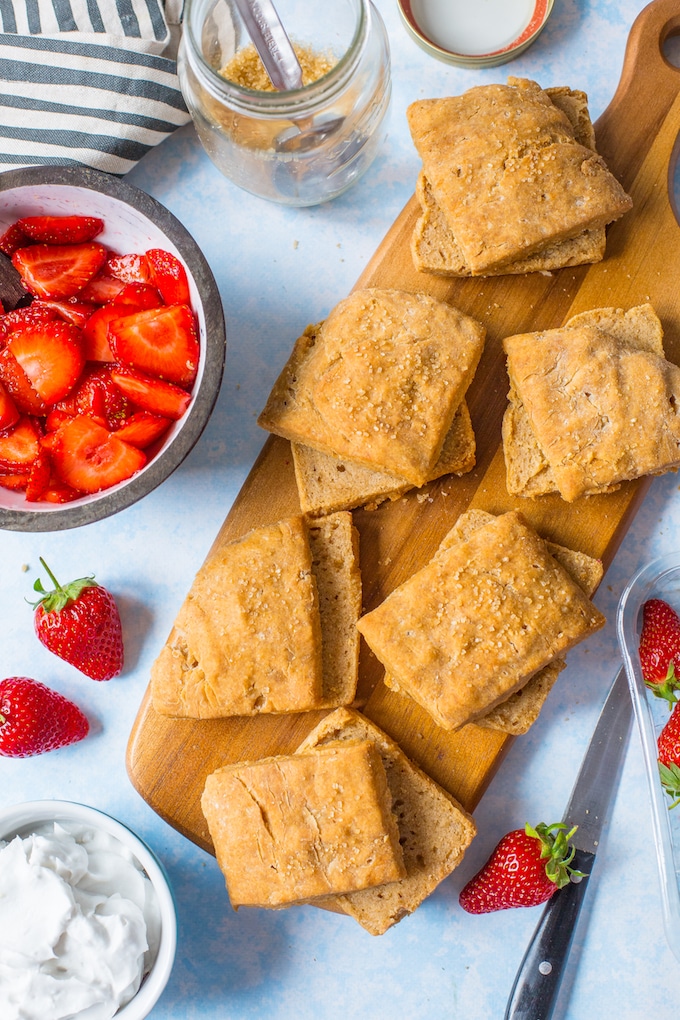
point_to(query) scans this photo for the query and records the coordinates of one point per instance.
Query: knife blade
(538, 979)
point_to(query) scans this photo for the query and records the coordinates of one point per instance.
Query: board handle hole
(670, 48)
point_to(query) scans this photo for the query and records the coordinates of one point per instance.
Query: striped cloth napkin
(89, 82)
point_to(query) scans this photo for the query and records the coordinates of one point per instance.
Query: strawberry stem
(63, 595)
(556, 850)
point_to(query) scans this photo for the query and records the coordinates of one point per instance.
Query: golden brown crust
(268, 626)
(471, 627)
(508, 174)
(434, 830)
(519, 712)
(601, 410)
(326, 483)
(378, 382)
(528, 471)
(294, 827)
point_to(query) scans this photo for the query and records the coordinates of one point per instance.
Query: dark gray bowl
(134, 222)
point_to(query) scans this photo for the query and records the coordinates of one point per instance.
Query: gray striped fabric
(90, 82)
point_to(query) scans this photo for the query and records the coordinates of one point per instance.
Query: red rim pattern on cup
(491, 58)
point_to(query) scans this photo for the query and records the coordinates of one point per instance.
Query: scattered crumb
(24, 567)
(296, 244)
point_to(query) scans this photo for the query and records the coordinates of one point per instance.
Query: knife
(538, 979)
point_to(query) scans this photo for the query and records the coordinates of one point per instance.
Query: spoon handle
(271, 42)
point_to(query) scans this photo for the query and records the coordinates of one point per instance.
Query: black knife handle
(534, 992)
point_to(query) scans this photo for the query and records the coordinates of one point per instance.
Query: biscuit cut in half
(268, 626)
(291, 828)
(434, 830)
(326, 483)
(478, 621)
(591, 404)
(516, 715)
(511, 181)
(378, 382)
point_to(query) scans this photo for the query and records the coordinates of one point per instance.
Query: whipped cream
(79, 924)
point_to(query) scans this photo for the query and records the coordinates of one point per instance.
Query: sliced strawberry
(101, 288)
(15, 482)
(56, 271)
(161, 398)
(39, 476)
(57, 492)
(132, 268)
(89, 458)
(138, 296)
(53, 419)
(36, 312)
(97, 395)
(51, 355)
(9, 412)
(142, 428)
(19, 446)
(61, 229)
(12, 239)
(72, 310)
(96, 346)
(169, 275)
(18, 385)
(160, 341)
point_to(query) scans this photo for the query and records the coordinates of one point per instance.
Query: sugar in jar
(301, 146)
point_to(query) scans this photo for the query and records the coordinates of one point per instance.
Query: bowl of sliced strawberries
(112, 346)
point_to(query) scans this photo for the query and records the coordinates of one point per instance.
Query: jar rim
(275, 103)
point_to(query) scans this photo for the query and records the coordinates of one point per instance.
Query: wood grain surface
(168, 759)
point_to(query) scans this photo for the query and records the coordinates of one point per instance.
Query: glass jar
(298, 147)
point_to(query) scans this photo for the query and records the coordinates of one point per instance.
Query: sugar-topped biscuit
(379, 381)
(602, 409)
(508, 174)
(481, 618)
(326, 483)
(520, 711)
(290, 828)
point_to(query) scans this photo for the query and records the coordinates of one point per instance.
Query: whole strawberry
(525, 869)
(668, 745)
(660, 648)
(80, 623)
(34, 718)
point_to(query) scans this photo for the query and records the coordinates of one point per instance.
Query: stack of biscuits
(373, 399)
(511, 182)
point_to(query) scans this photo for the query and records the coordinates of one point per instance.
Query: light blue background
(279, 269)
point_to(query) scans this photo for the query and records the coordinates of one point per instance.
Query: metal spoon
(272, 43)
(283, 67)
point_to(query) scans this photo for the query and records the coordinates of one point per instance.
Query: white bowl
(22, 819)
(134, 222)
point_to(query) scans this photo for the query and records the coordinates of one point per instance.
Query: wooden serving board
(168, 759)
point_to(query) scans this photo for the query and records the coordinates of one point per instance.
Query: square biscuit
(520, 711)
(378, 382)
(602, 410)
(326, 483)
(434, 246)
(508, 173)
(434, 830)
(528, 472)
(268, 625)
(290, 828)
(478, 621)
(435, 250)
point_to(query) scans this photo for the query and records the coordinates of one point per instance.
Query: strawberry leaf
(62, 595)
